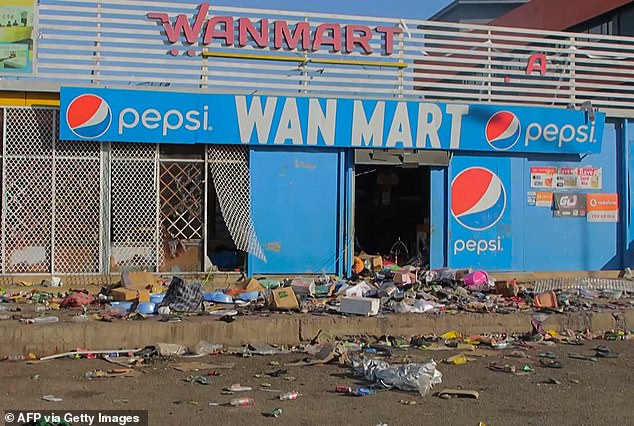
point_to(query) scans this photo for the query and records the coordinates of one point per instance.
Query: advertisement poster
(544, 199)
(567, 178)
(17, 19)
(603, 207)
(570, 205)
(590, 178)
(542, 177)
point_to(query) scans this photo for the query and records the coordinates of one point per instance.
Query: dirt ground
(589, 393)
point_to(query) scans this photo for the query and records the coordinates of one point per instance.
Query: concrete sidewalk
(287, 329)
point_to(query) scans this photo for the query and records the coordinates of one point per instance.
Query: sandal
(584, 357)
(550, 363)
(502, 368)
(549, 355)
(605, 352)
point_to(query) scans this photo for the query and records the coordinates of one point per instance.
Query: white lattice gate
(73, 207)
(51, 210)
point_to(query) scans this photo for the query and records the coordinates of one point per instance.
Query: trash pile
(375, 289)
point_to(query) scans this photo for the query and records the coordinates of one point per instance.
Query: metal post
(573, 71)
(53, 192)
(3, 208)
(401, 70)
(204, 69)
(97, 53)
(205, 209)
(489, 43)
(157, 188)
(105, 209)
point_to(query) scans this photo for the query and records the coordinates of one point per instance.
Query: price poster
(566, 178)
(590, 178)
(542, 177)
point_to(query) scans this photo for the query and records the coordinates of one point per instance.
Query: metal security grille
(28, 185)
(77, 207)
(182, 200)
(134, 209)
(92, 208)
(229, 167)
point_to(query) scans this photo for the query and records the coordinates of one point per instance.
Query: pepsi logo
(478, 198)
(88, 116)
(503, 130)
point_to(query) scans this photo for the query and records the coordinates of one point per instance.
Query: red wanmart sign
(329, 36)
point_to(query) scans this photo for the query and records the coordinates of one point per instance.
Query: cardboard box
(303, 286)
(404, 277)
(143, 295)
(127, 294)
(371, 260)
(359, 306)
(124, 294)
(249, 285)
(284, 298)
(138, 280)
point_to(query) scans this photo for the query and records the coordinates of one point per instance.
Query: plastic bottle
(361, 392)
(18, 357)
(289, 396)
(241, 402)
(3, 308)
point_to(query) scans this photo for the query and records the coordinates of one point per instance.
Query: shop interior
(392, 212)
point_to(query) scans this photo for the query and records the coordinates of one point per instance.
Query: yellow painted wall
(8, 98)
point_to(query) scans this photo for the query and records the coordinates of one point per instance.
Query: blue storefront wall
(300, 205)
(302, 174)
(524, 237)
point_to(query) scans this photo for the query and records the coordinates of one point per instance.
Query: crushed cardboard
(284, 299)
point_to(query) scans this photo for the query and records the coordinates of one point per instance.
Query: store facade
(278, 143)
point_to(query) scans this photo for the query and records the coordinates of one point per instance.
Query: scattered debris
(458, 393)
(408, 377)
(51, 398)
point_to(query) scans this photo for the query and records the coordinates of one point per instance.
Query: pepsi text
(478, 246)
(561, 135)
(172, 119)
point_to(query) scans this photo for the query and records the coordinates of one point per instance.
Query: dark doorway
(392, 203)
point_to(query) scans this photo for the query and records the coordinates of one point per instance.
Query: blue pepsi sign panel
(188, 118)
(480, 223)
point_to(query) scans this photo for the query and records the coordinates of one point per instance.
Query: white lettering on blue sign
(185, 118)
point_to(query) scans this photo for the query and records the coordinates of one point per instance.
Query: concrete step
(289, 329)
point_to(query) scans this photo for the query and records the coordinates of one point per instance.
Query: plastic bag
(407, 377)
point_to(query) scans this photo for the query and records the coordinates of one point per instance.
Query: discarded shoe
(458, 393)
(550, 363)
(549, 355)
(203, 380)
(584, 357)
(502, 368)
(605, 352)
(236, 387)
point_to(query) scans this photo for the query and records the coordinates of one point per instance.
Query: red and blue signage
(480, 220)
(478, 198)
(147, 116)
(88, 116)
(503, 130)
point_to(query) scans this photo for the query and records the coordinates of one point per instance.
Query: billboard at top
(17, 19)
(152, 116)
